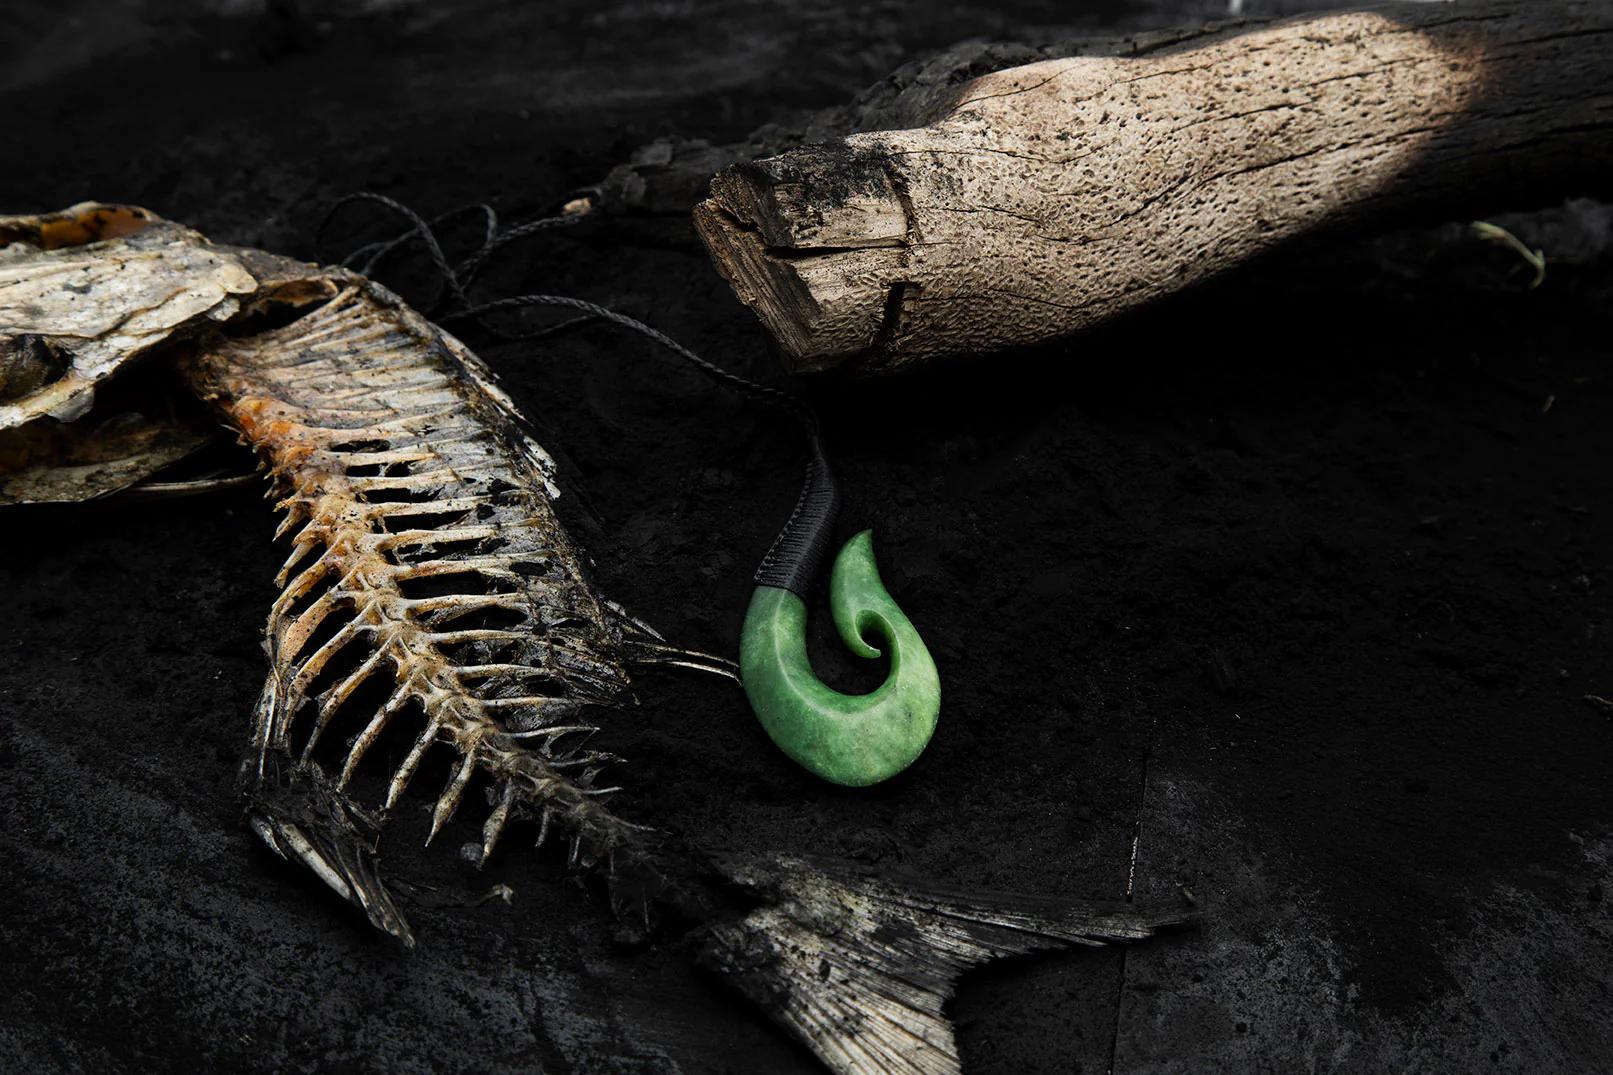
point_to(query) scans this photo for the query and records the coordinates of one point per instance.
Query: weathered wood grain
(1048, 197)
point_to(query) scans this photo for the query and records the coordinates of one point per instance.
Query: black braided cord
(797, 554)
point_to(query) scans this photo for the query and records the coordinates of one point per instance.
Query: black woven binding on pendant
(797, 553)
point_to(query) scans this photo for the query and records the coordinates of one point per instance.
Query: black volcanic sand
(1300, 592)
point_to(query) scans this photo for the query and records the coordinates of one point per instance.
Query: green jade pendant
(851, 739)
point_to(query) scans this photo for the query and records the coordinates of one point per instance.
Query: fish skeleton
(431, 586)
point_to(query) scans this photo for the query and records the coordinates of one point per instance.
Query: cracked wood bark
(1048, 197)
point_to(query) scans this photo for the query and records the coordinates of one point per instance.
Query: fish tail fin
(861, 969)
(300, 813)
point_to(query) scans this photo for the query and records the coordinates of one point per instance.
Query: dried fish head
(95, 287)
(85, 294)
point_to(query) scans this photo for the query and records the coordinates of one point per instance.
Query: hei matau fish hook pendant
(855, 739)
(852, 739)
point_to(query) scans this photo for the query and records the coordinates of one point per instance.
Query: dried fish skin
(48, 462)
(77, 225)
(86, 291)
(860, 969)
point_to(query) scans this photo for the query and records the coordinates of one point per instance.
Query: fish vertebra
(426, 554)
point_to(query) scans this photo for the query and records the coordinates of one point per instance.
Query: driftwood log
(1038, 200)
